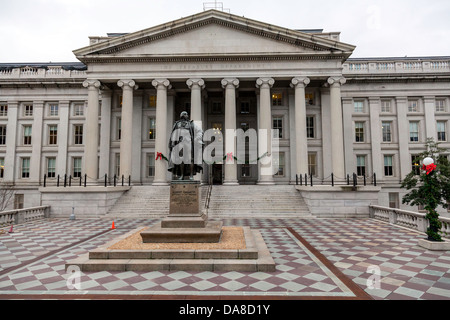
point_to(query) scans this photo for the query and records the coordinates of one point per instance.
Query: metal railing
(354, 180)
(69, 181)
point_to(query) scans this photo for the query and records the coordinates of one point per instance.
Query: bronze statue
(186, 148)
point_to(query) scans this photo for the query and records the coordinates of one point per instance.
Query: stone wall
(88, 202)
(340, 201)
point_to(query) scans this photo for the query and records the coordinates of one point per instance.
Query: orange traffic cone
(11, 230)
(113, 226)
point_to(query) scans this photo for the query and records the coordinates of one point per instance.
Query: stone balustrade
(44, 73)
(11, 217)
(396, 65)
(408, 219)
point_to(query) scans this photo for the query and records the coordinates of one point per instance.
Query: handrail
(19, 216)
(408, 219)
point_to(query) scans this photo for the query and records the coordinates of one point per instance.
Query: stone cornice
(200, 59)
(114, 46)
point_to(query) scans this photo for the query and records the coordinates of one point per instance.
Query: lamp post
(431, 184)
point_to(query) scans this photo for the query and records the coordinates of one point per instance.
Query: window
(217, 107)
(152, 129)
(77, 163)
(414, 131)
(119, 129)
(2, 135)
(387, 132)
(78, 134)
(359, 131)
(278, 125)
(415, 164)
(388, 166)
(393, 200)
(152, 101)
(361, 166)
(3, 110)
(440, 105)
(413, 106)
(310, 132)
(280, 164)
(312, 164)
(309, 97)
(151, 165)
(277, 99)
(359, 106)
(385, 106)
(53, 110)
(245, 107)
(25, 168)
(441, 131)
(78, 110)
(28, 110)
(53, 135)
(51, 167)
(2, 168)
(19, 200)
(27, 135)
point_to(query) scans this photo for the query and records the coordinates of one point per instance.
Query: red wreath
(429, 169)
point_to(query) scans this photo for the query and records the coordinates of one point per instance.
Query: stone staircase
(252, 201)
(246, 201)
(145, 202)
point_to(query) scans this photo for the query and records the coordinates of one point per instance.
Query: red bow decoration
(229, 156)
(430, 168)
(159, 156)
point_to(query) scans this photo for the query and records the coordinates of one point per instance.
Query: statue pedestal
(185, 223)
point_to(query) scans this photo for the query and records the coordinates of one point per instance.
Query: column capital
(161, 83)
(196, 82)
(230, 82)
(300, 82)
(127, 83)
(90, 83)
(336, 81)
(265, 83)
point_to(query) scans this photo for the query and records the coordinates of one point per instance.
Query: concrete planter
(434, 246)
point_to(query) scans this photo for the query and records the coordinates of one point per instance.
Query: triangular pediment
(213, 34)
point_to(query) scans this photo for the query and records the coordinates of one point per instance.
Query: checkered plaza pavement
(315, 259)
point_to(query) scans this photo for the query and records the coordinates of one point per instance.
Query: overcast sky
(49, 30)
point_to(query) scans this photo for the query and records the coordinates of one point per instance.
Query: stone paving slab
(315, 259)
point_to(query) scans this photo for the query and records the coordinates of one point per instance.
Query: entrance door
(217, 174)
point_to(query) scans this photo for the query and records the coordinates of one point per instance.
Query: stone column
(126, 141)
(105, 136)
(91, 141)
(63, 138)
(430, 118)
(35, 163)
(376, 136)
(230, 86)
(301, 136)
(403, 139)
(11, 138)
(265, 131)
(196, 86)
(162, 142)
(337, 132)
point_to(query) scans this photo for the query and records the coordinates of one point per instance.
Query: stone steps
(258, 202)
(226, 202)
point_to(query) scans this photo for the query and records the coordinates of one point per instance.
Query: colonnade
(230, 85)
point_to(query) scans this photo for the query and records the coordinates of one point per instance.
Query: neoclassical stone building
(111, 113)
